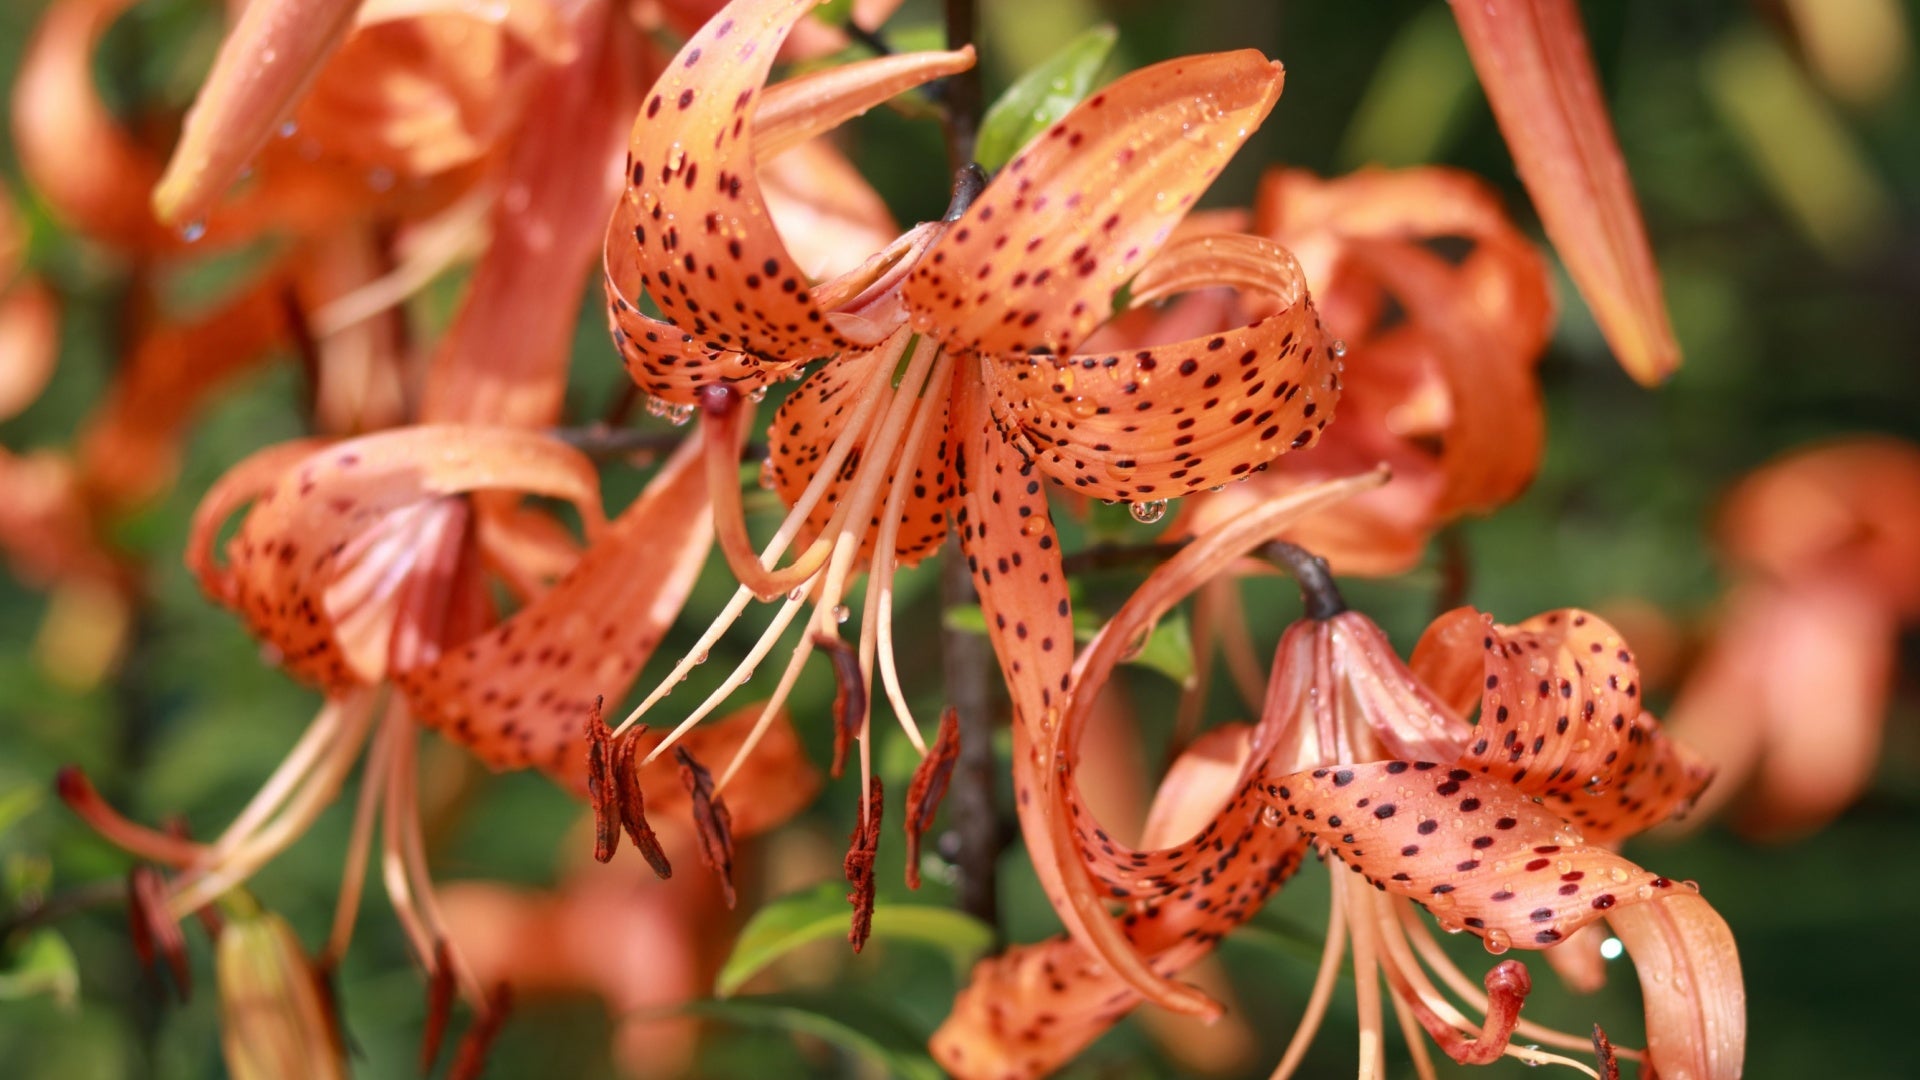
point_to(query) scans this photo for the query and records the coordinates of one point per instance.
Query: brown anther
(156, 936)
(710, 820)
(633, 804)
(929, 787)
(849, 697)
(602, 792)
(471, 1059)
(861, 851)
(1603, 1050)
(440, 989)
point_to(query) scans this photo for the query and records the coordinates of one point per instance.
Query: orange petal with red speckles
(1532, 58)
(1170, 420)
(1690, 978)
(1129, 162)
(1475, 851)
(813, 416)
(1029, 1010)
(1450, 657)
(325, 555)
(514, 695)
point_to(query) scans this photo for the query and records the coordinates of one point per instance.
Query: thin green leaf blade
(822, 914)
(1041, 96)
(44, 965)
(862, 1027)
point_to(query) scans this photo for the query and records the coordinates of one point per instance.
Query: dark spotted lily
(1503, 828)
(945, 387)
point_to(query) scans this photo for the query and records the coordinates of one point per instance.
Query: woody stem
(969, 667)
(961, 91)
(1317, 590)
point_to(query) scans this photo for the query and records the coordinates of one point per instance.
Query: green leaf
(834, 12)
(44, 965)
(1274, 935)
(18, 803)
(822, 913)
(867, 1029)
(1042, 96)
(1168, 649)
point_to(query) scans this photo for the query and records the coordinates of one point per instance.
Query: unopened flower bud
(276, 1021)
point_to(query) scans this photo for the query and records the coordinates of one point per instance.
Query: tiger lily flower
(1820, 543)
(980, 314)
(1373, 763)
(1533, 60)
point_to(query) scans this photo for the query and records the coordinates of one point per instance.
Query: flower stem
(961, 92)
(1317, 590)
(968, 662)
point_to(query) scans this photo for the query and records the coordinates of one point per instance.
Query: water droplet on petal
(1033, 526)
(1338, 348)
(288, 128)
(1498, 941)
(1146, 513)
(841, 613)
(192, 231)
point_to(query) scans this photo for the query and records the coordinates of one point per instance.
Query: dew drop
(700, 657)
(797, 593)
(288, 128)
(1498, 941)
(757, 395)
(1270, 815)
(192, 231)
(678, 415)
(1146, 513)
(1033, 526)
(766, 473)
(841, 613)
(1338, 349)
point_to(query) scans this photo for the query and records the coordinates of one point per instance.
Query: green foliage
(821, 914)
(1041, 96)
(868, 1030)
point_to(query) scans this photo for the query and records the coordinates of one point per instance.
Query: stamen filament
(1366, 971)
(299, 763)
(353, 877)
(1324, 981)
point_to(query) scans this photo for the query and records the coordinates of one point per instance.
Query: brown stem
(1119, 556)
(969, 666)
(961, 92)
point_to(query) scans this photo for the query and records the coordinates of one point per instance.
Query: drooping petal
(515, 695)
(1478, 853)
(1166, 421)
(1129, 161)
(1450, 658)
(272, 54)
(329, 548)
(1690, 977)
(829, 216)
(1409, 720)
(1029, 1010)
(1532, 58)
(693, 184)
(505, 358)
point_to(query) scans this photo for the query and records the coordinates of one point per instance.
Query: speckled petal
(814, 415)
(321, 521)
(515, 695)
(1163, 422)
(1479, 854)
(1128, 163)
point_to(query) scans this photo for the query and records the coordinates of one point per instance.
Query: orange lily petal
(29, 342)
(327, 552)
(130, 446)
(1167, 421)
(1058, 995)
(1134, 158)
(515, 695)
(829, 217)
(272, 54)
(1449, 658)
(1475, 851)
(504, 360)
(801, 108)
(48, 533)
(1690, 977)
(1532, 58)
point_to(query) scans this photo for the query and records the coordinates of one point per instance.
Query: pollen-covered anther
(862, 849)
(633, 803)
(929, 786)
(1607, 1061)
(710, 820)
(602, 791)
(849, 697)
(156, 935)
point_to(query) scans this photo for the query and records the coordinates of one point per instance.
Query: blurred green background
(1781, 200)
